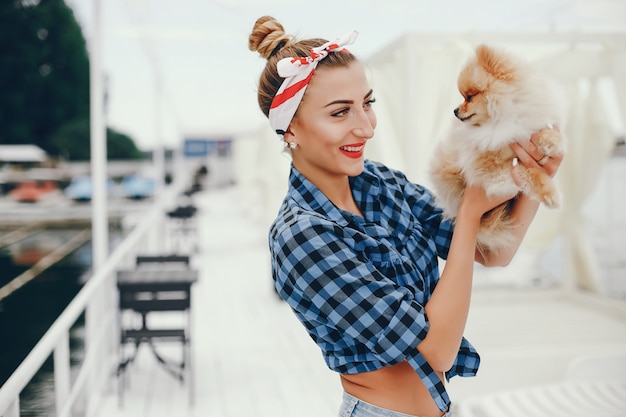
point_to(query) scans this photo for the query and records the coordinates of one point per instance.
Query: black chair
(184, 229)
(158, 259)
(158, 284)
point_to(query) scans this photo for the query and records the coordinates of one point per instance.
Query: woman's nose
(365, 124)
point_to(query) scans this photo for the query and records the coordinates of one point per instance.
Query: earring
(293, 145)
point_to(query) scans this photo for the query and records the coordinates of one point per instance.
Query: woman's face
(333, 123)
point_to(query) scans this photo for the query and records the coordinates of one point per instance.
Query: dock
(62, 212)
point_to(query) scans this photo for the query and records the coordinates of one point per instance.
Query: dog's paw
(539, 186)
(551, 199)
(550, 142)
(546, 192)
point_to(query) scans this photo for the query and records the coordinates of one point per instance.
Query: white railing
(98, 301)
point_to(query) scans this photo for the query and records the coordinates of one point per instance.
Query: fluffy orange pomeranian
(505, 100)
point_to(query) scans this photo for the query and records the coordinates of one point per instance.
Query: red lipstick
(354, 150)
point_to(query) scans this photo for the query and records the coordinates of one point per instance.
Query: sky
(177, 69)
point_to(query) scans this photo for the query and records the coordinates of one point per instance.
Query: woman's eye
(369, 102)
(341, 112)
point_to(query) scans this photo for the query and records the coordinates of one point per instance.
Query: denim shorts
(353, 407)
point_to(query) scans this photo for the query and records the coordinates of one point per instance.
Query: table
(156, 287)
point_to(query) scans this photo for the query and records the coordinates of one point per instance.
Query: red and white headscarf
(297, 72)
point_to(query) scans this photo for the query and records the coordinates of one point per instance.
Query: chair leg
(120, 379)
(189, 371)
(122, 367)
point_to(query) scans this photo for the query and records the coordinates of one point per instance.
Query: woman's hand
(529, 155)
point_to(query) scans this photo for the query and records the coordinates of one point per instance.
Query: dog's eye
(468, 98)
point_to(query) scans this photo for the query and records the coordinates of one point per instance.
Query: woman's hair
(269, 39)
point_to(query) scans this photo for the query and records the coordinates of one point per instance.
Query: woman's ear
(289, 133)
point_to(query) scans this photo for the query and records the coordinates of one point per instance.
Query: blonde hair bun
(267, 37)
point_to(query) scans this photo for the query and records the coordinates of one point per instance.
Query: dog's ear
(495, 63)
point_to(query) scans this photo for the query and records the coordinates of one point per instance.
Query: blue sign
(201, 148)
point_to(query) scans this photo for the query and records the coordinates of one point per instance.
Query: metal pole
(159, 150)
(99, 216)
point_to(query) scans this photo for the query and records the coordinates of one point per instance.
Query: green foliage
(74, 140)
(44, 80)
(121, 146)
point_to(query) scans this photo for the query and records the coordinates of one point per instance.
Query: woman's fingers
(525, 154)
(515, 173)
(530, 156)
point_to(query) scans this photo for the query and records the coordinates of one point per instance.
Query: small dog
(505, 100)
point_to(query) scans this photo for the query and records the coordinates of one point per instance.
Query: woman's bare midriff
(396, 388)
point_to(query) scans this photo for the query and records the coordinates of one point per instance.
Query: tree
(44, 76)
(73, 140)
(121, 146)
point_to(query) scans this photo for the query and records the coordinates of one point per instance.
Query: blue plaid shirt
(359, 285)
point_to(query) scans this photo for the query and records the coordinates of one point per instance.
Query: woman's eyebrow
(369, 94)
(339, 102)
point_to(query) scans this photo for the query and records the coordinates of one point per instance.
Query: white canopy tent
(22, 153)
(414, 80)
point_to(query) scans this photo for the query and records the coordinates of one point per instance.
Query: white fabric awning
(22, 153)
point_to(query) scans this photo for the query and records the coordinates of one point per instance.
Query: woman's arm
(448, 307)
(523, 212)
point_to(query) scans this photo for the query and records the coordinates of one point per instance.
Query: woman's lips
(353, 151)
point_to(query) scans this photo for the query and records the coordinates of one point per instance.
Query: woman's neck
(339, 192)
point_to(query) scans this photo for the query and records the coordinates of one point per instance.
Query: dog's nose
(456, 112)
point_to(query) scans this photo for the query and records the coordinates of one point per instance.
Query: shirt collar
(367, 182)
(309, 197)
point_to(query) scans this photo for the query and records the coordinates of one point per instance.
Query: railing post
(14, 409)
(93, 313)
(113, 336)
(62, 372)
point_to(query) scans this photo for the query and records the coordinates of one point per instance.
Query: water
(28, 313)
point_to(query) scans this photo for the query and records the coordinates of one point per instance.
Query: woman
(355, 245)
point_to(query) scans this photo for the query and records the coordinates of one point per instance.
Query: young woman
(355, 245)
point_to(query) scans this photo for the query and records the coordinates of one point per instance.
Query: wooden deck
(252, 358)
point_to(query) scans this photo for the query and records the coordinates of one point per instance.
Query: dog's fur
(505, 100)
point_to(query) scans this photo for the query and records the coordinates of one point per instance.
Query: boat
(34, 191)
(80, 188)
(137, 187)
